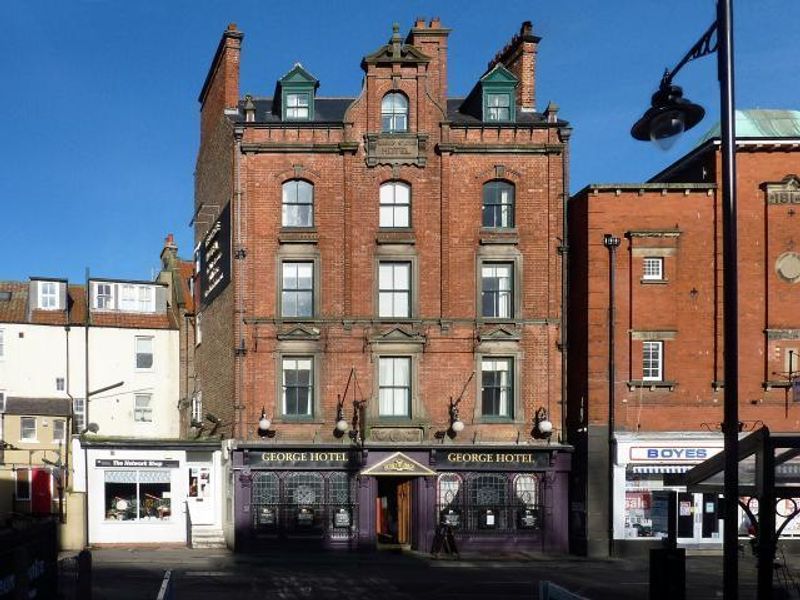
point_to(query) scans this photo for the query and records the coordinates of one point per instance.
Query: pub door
(393, 512)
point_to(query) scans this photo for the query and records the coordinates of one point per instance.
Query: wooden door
(41, 495)
(404, 512)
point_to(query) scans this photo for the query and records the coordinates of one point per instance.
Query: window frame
(284, 290)
(312, 387)
(42, 295)
(285, 190)
(510, 292)
(511, 387)
(649, 275)
(196, 415)
(140, 413)
(287, 107)
(394, 205)
(63, 437)
(110, 297)
(392, 113)
(409, 413)
(659, 360)
(396, 292)
(494, 117)
(136, 352)
(22, 438)
(78, 415)
(488, 190)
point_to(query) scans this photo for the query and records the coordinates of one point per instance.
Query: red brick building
(390, 263)
(668, 343)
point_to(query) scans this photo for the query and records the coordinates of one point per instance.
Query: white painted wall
(35, 355)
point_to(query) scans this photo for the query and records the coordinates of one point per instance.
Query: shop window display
(646, 505)
(137, 495)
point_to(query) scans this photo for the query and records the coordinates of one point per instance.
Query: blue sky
(99, 113)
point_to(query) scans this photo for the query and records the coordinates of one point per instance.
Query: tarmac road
(136, 574)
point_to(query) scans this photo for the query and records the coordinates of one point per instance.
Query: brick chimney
(519, 57)
(169, 254)
(221, 87)
(432, 40)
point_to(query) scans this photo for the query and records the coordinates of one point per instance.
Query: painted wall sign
(672, 453)
(302, 459)
(145, 463)
(215, 257)
(497, 460)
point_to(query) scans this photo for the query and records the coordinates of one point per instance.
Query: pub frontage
(377, 497)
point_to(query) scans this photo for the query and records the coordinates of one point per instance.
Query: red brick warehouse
(392, 249)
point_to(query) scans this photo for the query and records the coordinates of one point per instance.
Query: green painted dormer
(498, 95)
(297, 90)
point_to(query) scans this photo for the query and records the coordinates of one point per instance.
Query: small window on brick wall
(653, 268)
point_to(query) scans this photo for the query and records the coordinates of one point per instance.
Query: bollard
(84, 575)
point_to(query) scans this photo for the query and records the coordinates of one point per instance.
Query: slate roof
(457, 114)
(55, 407)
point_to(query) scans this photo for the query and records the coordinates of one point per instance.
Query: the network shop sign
(672, 453)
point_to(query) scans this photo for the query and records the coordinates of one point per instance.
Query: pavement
(137, 574)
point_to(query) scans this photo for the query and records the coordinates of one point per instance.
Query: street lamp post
(670, 115)
(611, 243)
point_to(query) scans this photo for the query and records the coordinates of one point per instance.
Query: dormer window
(394, 113)
(48, 295)
(103, 296)
(296, 93)
(297, 107)
(137, 298)
(499, 98)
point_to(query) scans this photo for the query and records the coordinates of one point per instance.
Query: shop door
(41, 492)
(200, 496)
(698, 519)
(393, 511)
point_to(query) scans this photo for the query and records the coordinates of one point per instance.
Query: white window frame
(289, 361)
(22, 438)
(394, 205)
(63, 425)
(297, 291)
(391, 293)
(502, 310)
(290, 196)
(141, 339)
(78, 414)
(490, 363)
(394, 113)
(103, 299)
(494, 111)
(143, 408)
(48, 300)
(197, 407)
(137, 298)
(653, 268)
(653, 361)
(389, 408)
(295, 109)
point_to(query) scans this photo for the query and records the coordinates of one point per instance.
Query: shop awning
(660, 469)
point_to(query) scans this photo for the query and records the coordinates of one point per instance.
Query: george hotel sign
(215, 257)
(396, 149)
(492, 460)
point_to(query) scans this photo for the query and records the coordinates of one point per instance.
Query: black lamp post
(611, 243)
(670, 115)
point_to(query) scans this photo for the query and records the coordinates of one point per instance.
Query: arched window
(394, 113)
(395, 204)
(298, 204)
(498, 204)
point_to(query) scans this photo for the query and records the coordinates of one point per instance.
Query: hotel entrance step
(207, 537)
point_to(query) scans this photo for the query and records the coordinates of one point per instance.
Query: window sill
(653, 281)
(396, 236)
(652, 385)
(299, 235)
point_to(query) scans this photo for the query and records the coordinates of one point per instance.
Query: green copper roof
(760, 123)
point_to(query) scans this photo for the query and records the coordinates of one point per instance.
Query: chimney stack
(221, 88)
(519, 57)
(169, 255)
(432, 40)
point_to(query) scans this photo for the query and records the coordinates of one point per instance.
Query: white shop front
(151, 495)
(640, 495)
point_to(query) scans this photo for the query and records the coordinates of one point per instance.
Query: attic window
(297, 94)
(297, 107)
(498, 107)
(499, 98)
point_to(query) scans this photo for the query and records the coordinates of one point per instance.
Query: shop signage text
(137, 462)
(671, 453)
(291, 459)
(497, 460)
(214, 256)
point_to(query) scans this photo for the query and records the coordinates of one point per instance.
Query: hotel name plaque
(302, 459)
(494, 460)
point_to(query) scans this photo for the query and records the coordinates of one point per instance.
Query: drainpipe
(239, 301)
(563, 249)
(611, 243)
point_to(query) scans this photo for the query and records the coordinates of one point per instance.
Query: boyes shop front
(141, 495)
(641, 497)
(398, 496)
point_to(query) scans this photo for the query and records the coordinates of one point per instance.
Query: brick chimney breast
(432, 41)
(519, 57)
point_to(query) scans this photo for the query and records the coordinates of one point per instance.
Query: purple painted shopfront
(377, 497)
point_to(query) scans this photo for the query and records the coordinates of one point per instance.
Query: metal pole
(612, 243)
(730, 567)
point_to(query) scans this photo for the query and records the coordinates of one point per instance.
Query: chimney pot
(232, 27)
(419, 23)
(435, 23)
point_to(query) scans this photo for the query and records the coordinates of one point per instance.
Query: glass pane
(402, 193)
(385, 277)
(387, 194)
(385, 306)
(289, 276)
(401, 276)
(401, 216)
(402, 371)
(385, 372)
(144, 361)
(304, 304)
(387, 217)
(400, 402)
(305, 272)
(385, 401)
(305, 192)
(288, 304)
